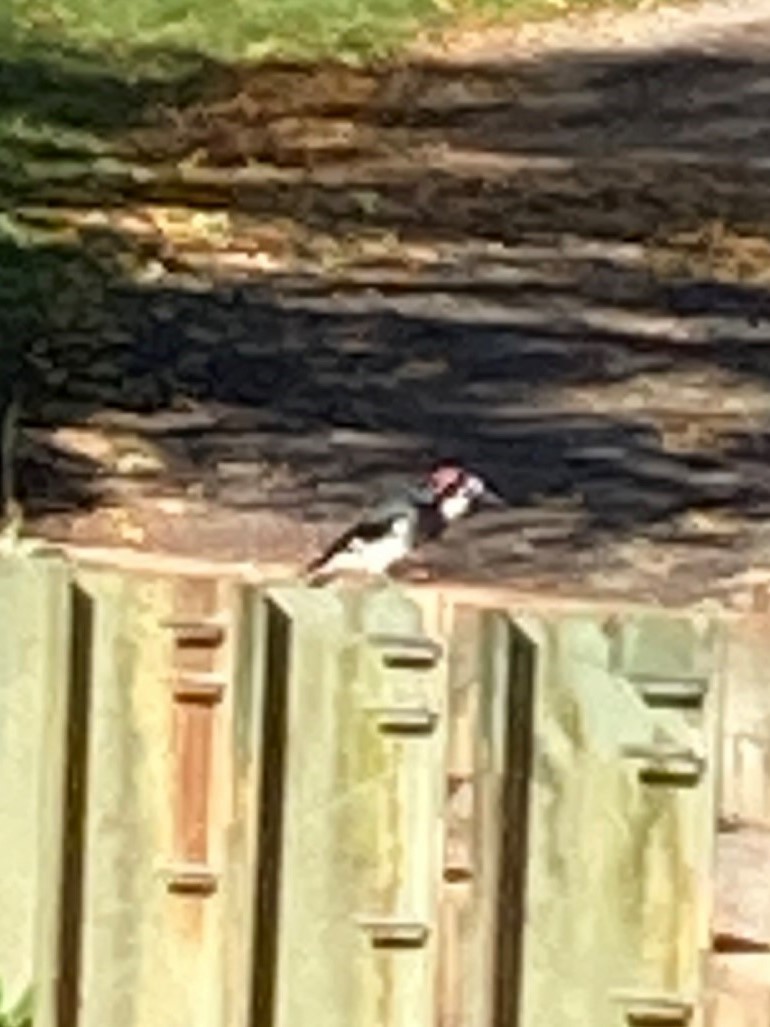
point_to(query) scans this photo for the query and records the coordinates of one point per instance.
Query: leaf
(367, 200)
(21, 1013)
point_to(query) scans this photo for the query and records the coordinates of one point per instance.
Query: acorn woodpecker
(388, 533)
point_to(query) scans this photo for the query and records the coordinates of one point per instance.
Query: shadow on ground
(279, 287)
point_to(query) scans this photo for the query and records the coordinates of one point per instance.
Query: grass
(75, 73)
(249, 29)
(252, 29)
(76, 76)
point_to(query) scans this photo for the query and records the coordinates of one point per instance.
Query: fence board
(240, 799)
(34, 646)
(360, 839)
(617, 866)
(148, 952)
(323, 821)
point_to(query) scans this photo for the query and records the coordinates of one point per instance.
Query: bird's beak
(492, 499)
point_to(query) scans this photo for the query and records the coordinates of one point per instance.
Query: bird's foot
(417, 573)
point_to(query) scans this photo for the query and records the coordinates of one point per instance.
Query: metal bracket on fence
(666, 764)
(685, 693)
(394, 932)
(191, 879)
(406, 652)
(204, 688)
(650, 1010)
(203, 634)
(404, 720)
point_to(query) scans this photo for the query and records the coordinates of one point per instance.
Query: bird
(386, 534)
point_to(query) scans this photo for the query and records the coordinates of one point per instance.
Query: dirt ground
(541, 251)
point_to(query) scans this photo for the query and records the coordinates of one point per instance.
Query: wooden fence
(231, 805)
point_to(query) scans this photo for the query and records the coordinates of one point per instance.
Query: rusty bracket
(655, 1010)
(671, 692)
(198, 687)
(394, 932)
(191, 879)
(666, 764)
(205, 633)
(406, 652)
(404, 720)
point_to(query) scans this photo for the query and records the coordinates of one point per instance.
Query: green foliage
(245, 28)
(76, 74)
(19, 1014)
(348, 29)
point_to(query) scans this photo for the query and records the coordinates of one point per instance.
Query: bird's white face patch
(455, 506)
(459, 503)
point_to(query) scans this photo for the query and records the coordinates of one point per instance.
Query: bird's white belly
(374, 557)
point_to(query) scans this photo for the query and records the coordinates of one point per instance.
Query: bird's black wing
(430, 524)
(372, 526)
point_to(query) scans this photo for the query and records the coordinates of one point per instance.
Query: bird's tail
(317, 573)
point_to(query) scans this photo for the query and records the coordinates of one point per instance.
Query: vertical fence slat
(239, 811)
(739, 977)
(149, 951)
(359, 844)
(34, 670)
(620, 848)
(490, 723)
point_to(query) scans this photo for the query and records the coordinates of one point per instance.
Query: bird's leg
(381, 580)
(416, 570)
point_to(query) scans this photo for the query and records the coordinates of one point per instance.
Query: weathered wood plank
(618, 876)
(742, 887)
(149, 952)
(359, 839)
(35, 622)
(739, 971)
